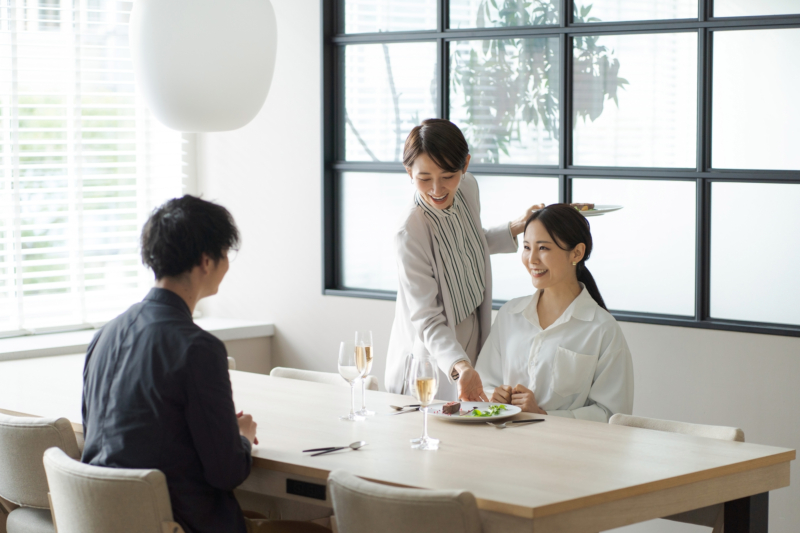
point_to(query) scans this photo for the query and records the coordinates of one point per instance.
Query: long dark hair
(568, 229)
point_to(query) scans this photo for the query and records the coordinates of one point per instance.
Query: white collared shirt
(579, 367)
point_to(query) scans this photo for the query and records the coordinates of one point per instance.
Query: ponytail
(585, 277)
(568, 229)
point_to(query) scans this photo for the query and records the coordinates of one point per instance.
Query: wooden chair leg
(52, 513)
(719, 524)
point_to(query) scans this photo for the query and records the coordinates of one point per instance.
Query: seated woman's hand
(502, 394)
(524, 399)
(470, 387)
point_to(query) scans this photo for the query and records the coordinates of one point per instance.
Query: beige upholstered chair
(714, 515)
(319, 377)
(94, 499)
(231, 363)
(364, 507)
(23, 483)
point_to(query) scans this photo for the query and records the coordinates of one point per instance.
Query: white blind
(82, 164)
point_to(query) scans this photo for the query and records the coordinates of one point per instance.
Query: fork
(504, 425)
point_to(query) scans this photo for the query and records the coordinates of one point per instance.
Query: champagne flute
(364, 355)
(350, 372)
(425, 383)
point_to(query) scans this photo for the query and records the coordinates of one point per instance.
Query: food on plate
(451, 408)
(493, 410)
(582, 207)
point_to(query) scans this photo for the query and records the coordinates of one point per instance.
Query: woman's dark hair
(441, 140)
(568, 229)
(178, 233)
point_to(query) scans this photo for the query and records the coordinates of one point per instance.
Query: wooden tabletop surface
(530, 471)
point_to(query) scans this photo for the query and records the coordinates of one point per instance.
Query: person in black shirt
(156, 391)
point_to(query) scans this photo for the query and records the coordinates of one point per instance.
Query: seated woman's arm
(612, 388)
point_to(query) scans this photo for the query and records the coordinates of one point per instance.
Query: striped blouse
(462, 253)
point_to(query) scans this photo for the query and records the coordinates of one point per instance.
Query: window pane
(504, 198)
(635, 100)
(372, 205)
(743, 8)
(754, 255)
(756, 107)
(82, 165)
(487, 14)
(366, 16)
(644, 254)
(504, 97)
(389, 89)
(615, 10)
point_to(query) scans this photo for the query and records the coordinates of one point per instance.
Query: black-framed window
(683, 111)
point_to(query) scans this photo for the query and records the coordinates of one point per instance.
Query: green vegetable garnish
(493, 410)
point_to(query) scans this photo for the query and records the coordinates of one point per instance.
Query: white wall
(268, 175)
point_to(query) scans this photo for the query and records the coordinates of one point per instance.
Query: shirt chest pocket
(573, 372)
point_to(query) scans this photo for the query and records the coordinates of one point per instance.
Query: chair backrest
(23, 441)
(319, 377)
(365, 507)
(94, 499)
(698, 430)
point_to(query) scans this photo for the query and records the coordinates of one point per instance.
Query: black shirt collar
(166, 296)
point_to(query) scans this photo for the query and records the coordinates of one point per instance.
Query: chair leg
(719, 523)
(52, 513)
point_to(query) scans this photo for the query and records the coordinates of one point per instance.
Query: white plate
(511, 410)
(600, 210)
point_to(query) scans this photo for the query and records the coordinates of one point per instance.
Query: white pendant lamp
(203, 65)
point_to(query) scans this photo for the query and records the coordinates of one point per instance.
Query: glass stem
(424, 423)
(352, 399)
(364, 393)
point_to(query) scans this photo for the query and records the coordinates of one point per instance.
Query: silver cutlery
(398, 408)
(515, 422)
(353, 446)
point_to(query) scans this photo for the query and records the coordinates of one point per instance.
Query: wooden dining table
(561, 475)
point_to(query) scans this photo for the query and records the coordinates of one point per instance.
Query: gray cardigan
(424, 318)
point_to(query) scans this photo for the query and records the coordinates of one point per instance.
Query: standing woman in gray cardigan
(444, 298)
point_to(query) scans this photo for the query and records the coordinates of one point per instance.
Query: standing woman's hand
(470, 387)
(525, 400)
(518, 225)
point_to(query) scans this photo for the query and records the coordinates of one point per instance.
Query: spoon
(353, 446)
(518, 422)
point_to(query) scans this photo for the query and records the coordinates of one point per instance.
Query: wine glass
(364, 355)
(350, 372)
(424, 384)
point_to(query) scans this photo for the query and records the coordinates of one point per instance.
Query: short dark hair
(179, 232)
(441, 140)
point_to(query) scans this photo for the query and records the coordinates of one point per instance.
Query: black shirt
(157, 394)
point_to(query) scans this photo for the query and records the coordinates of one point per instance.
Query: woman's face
(547, 264)
(436, 186)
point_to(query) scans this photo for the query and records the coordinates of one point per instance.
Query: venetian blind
(82, 164)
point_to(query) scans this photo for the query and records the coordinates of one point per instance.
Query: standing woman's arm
(421, 290)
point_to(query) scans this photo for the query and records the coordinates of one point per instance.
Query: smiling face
(436, 186)
(548, 264)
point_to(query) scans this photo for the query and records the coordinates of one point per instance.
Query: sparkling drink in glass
(425, 383)
(364, 355)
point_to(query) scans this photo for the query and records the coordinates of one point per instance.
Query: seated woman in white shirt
(558, 352)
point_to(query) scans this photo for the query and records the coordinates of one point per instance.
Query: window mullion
(15, 170)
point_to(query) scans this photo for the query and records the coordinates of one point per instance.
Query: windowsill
(225, 329)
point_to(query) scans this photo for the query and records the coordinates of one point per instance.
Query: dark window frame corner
(703, 174)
